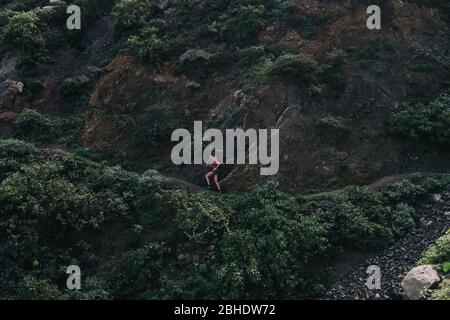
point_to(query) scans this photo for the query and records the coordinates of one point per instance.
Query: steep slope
(333, 122)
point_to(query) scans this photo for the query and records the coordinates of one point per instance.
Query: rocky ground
(397, 260)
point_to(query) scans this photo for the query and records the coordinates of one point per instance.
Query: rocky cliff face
(332, 116)
(329, 138)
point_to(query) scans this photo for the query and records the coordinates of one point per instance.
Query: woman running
(215, 164)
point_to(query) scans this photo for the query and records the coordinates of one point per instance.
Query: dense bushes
(403, 219)
(149, 45)
(34, 126)
(203, 221)
(20, 30)
(15, 149)
(265, 254)
(242, 24)
(258, 75)
(301, 68)
(180, 245)
(424, 122)
(158, 31)
(139, 274)
(132, 14)
(13, 153)
(44, 202)
(134, 21)
(32, 288)
(361, 219)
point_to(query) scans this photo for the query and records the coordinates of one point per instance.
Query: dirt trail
(377, 184)
(190, 186)
(383, 181)
(59, 150)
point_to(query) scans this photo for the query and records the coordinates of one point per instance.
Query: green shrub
(424, 122)
(149, 46)
(242, 24)
(21, 30)
(331, 70)
(13, 153)
(16, 149)
(138, 275)
(258, 75)
(268, 260)
(437, 253)
(32, 288)
(360, 217)
(265, 253)
(132, 14)
(404, 191)
(300, 68)
(402, 219)
(195, 63)
(436, 183)
(34, 125)
(203, 221)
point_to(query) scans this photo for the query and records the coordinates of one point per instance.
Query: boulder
(9, 92)
(418, 280)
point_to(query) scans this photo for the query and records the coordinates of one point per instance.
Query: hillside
(86, 118)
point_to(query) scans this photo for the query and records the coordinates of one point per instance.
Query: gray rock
(9, 92)
(437, 197)
(418, 280)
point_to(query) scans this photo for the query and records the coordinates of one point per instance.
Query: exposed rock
(418, 280)
(8, 117)
(9, 93)
(7, 120)
(8, 67)
(53, 5)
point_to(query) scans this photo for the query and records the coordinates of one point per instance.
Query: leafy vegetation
(438, 253)
(34, 126)
(300, 68)
(138, 236)
(424, 122)
(21, 30)
(60, 210)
